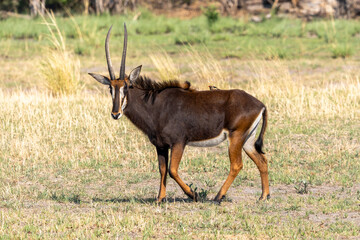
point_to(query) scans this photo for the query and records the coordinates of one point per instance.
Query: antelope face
(119, 88)
(118, 91)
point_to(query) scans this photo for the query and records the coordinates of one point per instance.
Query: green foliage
(191, 39)
(62, 197)
(61, 2)
(211, 15)
(302, 187)
(146, 14)
(156, 26)
(202, 194)
(277, 53)
(341, 51)
(21, 6)
(21, 29)
(9, 5)
(228, 25)
(276, 38)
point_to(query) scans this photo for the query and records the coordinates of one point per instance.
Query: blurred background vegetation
(242, 35)
(303, 8)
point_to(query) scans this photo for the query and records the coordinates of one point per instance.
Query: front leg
(176, 154)
(163, 157)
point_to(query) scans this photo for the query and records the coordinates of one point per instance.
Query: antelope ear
(135, 73)
(100, 78)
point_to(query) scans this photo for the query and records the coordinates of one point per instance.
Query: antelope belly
(210, 142)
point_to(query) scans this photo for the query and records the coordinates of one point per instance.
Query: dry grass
(165, 66)
(65, 127)
(69, 171)
(298, 98)
(61, 68)
(83, 122)
(207, 69)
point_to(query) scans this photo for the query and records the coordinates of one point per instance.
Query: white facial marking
(123, 101)
(249, 145)
(121, 93)
(212, 141)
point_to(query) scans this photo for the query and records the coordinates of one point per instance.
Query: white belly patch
(210, 142)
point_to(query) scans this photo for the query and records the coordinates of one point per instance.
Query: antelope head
(119, 87)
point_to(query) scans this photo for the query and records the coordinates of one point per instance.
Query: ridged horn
(108, 59)
(122, 66)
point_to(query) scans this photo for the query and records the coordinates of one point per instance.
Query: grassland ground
(69, 171)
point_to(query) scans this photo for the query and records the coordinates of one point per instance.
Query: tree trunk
(228, 6)
(14, 4)
(121, 6)
(86, 4)
(116, 7)
(294, 3)
(241, 4)
(37, 7)
(98, 6)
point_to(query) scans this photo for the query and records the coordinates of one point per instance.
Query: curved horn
(122, 66)
(108, 59)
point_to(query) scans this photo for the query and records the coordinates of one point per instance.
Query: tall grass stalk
(75, 24)
(60, 69)
(207, 69)
(165, 66)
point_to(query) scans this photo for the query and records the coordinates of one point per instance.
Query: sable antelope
(212, 88)
(174, 115)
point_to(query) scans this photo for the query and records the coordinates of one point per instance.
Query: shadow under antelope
(173, 115)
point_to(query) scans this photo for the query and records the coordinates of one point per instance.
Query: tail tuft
(259, 142)
(258, 145)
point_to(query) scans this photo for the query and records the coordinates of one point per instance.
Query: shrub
(342, 51)
(60, 69)
(211, 15)
(302, 187)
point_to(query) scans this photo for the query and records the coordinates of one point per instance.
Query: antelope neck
(138, 111)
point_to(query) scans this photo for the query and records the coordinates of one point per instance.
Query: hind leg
(261, 163)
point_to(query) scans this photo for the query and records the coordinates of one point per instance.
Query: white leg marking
(249, 145)
(212, 141)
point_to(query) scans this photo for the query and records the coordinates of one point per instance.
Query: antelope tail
(259, 141)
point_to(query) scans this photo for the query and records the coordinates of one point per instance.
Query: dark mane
(151, 88)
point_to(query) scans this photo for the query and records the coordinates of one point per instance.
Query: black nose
(115, 116)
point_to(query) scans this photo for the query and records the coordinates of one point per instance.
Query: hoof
(216, 202)
(162, 200)
(196, 197)
(264, 198)
(219, 200)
